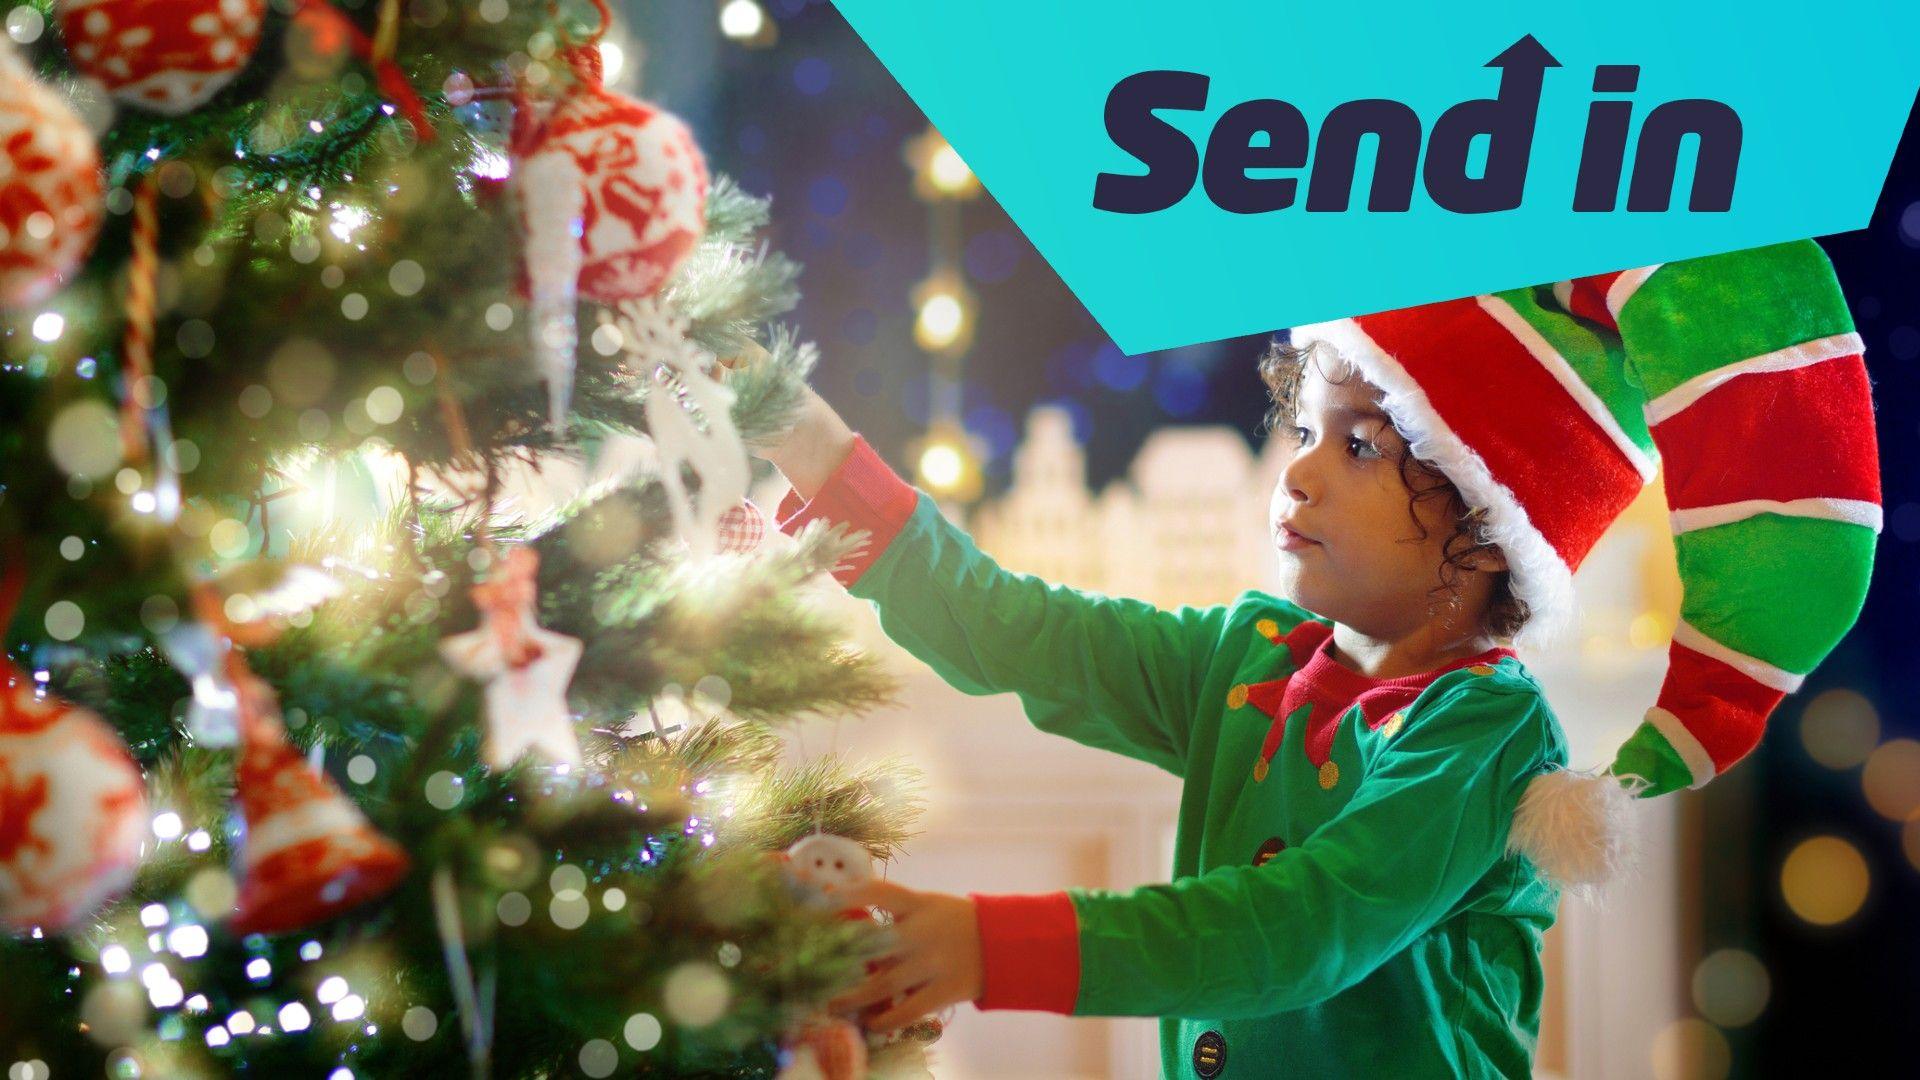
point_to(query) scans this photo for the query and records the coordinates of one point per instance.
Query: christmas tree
(323, 750)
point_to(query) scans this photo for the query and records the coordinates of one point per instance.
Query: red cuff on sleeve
(1029, 952)
(862, 493)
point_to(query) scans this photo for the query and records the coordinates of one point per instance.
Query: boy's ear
(1491, 559)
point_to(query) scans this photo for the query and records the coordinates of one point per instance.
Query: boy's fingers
(881, 986)
(921, 1002)
(881, 894)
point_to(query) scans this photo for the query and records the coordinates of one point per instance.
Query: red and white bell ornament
(309, 853)
(73, 810)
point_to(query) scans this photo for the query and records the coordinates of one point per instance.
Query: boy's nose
(1297, 480)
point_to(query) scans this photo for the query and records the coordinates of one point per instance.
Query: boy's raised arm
(819, 442)
(1116, 674)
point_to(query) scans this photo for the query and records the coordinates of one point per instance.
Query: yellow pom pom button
(1237, 696)
(1268, 629)
(1392, 727)
(1329, 775)
(1259, 770)
(1481, 669)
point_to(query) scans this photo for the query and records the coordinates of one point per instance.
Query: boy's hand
(934, 960)
(816, 446)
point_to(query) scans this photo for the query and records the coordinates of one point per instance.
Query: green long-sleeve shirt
(1342, 901)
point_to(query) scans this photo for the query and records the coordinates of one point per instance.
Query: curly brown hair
(1282, 367)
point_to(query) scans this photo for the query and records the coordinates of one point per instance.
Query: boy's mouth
(1290, 539)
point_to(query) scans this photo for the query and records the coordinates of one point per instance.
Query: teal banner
(1200, 171)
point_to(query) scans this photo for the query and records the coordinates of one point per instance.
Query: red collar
(1332, 688)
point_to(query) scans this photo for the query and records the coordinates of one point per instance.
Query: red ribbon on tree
(327, 22)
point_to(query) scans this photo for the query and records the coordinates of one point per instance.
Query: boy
(1377, 819)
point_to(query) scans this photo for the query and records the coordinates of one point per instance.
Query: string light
(939, 173)
(945, 313)
(948, 462)
(747, 23)
(612, 60)
(114, 960)
(944, 318)
(188, 941)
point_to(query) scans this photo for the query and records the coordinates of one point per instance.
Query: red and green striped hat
(1739, 374)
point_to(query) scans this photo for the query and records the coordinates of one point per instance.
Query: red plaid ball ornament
(742, 528)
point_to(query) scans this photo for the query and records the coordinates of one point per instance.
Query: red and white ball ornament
(73, 810)
(613, 198)
(742, 528)
(51, 192)
(643, 186)
(168, 56)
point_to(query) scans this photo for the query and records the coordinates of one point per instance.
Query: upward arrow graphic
(1506, 119)
(1523, 61)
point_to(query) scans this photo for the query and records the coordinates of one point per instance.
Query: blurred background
(1774, 929)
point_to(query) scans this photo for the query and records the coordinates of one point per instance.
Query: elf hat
(1551, 407)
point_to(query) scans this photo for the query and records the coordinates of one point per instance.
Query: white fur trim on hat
(1539, 576)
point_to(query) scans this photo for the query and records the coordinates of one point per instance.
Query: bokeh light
(84, 440)
(419, 1023)
(742, 20)
(944, 312)
(1891, 779)
(1731, 987)
(1824, 880)
(1840, 728)
(598, 1058)
(696, 994)
(1691, 1049)
(642, 1031)
(941, 465)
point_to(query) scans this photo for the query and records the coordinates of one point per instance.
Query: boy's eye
(1301, 435)
(1361, 448)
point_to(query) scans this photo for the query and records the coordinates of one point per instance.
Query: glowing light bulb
(331, 989)
(940, 319)
(742, 20)
(347, 219)
(612, 59)
(941, 466)
(948, 174)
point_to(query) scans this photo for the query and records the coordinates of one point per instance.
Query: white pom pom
(1575, 827)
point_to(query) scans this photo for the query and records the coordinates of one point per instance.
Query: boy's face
(1349, 545)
